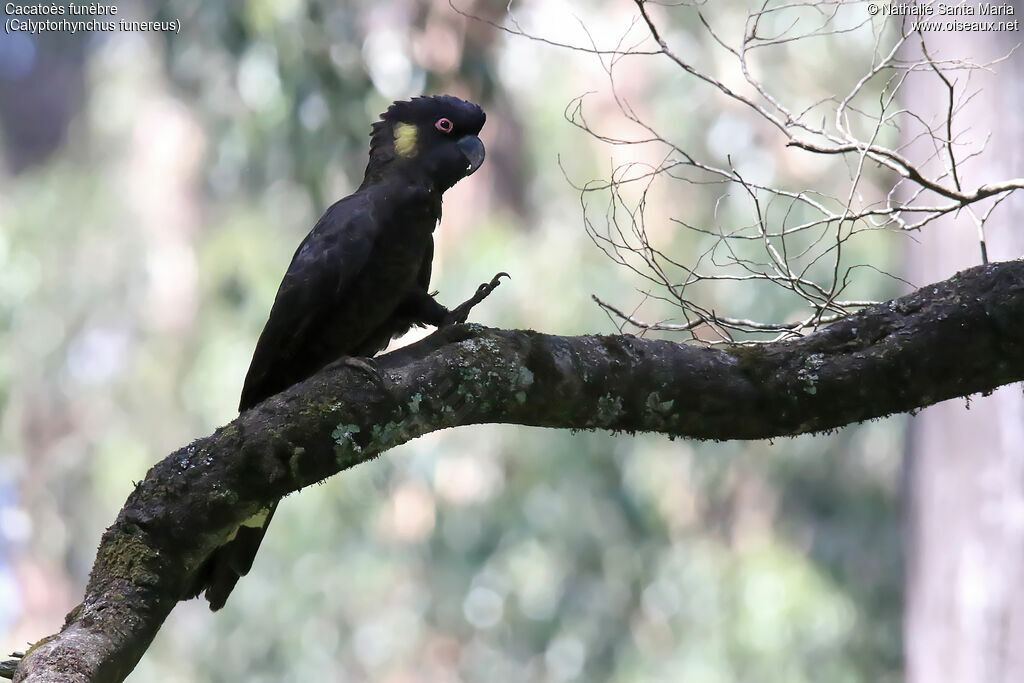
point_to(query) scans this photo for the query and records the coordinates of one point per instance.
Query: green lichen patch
(658, 406)
(128, 557)
(807, 374)
(476, 345)
(347, 450)
(524, 378)
(471, 374)
(609, 410)
(751, 358)
(390, 434)
(342, 434)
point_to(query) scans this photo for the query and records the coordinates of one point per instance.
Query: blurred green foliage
(137, 267)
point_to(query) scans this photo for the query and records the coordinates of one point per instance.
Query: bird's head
(435, 136)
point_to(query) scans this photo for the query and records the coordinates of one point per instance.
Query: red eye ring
(444, 125)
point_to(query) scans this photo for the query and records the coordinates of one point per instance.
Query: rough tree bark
(952, 338)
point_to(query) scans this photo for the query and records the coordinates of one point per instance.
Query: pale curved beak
(473, 150)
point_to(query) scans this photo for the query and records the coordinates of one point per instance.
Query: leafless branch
(762, 230)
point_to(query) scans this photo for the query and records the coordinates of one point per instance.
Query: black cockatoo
(360, 277)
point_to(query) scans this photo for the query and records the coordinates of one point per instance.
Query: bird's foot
(368, 366)
(461, 312)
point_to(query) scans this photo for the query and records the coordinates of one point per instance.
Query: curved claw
(488, 287)
(460, 313)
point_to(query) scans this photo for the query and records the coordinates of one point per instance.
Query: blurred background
(153, 187)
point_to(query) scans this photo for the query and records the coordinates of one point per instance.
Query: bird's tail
(221, 570)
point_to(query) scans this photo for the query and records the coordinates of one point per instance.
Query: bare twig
(803, 241)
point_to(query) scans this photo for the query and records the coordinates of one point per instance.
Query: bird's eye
(444, 125)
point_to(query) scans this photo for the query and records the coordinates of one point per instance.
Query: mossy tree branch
(954, 338)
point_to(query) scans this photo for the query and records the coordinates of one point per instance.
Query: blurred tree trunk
(964, 617)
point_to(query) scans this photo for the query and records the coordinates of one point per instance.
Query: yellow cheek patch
(405, 140)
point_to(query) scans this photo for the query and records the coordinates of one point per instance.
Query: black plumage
(360, 277)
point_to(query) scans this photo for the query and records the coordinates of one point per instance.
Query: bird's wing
(326, 262)
(333, 253)
(423, 278)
